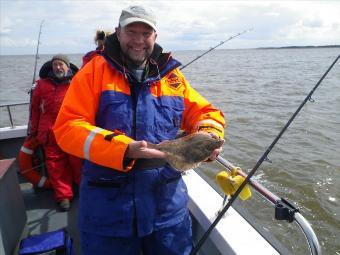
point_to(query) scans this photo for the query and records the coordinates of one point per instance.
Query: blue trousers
(174, 240)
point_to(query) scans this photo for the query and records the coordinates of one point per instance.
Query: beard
(136, 59)
(59, 74)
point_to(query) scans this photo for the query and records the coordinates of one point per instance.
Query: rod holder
(285, 210)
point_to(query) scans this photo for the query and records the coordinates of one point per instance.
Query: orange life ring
(27, 169)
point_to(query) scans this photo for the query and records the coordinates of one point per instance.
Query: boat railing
(283, 209)
(9, 112)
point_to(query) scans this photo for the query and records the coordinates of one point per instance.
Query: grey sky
(70, 25)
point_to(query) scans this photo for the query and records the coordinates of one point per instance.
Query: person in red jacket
(48, 94)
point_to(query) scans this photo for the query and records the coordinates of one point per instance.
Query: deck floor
(43, 214)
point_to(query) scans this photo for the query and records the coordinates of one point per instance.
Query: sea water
(258, 90)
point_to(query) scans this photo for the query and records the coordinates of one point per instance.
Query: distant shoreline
(299, 47)
(258, 48)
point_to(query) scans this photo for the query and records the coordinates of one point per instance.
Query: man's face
(59, 68)
(136, 41)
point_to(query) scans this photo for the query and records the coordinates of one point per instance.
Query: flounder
(189, 151)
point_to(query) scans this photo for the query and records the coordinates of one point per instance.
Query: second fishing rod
(216, 46)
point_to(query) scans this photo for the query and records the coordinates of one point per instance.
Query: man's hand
(139, 149)
(215, 152)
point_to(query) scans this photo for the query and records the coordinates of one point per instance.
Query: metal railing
(8, 108)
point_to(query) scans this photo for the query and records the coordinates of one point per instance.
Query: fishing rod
(37, 53)
(259, 162)
(211, 49)
(40, 151)
(33, 80)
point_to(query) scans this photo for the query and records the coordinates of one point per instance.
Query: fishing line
(211, 49)
(259, 162)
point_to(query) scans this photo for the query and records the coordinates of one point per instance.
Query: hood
(46, 69)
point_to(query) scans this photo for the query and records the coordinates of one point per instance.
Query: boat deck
(43, 214)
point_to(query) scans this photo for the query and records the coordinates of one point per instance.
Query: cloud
(316, 22)
(5, 26)
(70, 25)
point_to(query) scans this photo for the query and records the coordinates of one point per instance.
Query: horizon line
(257, 48)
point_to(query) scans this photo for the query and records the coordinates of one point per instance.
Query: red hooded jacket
(46, 101)
(47, 97)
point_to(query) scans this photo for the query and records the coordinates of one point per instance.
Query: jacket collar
(159, 63)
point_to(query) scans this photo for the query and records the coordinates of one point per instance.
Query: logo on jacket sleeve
(173, 81)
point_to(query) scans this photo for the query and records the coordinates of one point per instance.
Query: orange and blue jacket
(104, 110)
(101, 113)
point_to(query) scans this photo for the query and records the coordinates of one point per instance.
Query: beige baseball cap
(137, 14)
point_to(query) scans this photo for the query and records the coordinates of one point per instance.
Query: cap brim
(134, 19)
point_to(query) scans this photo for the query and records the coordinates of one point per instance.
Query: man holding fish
(120, 106)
